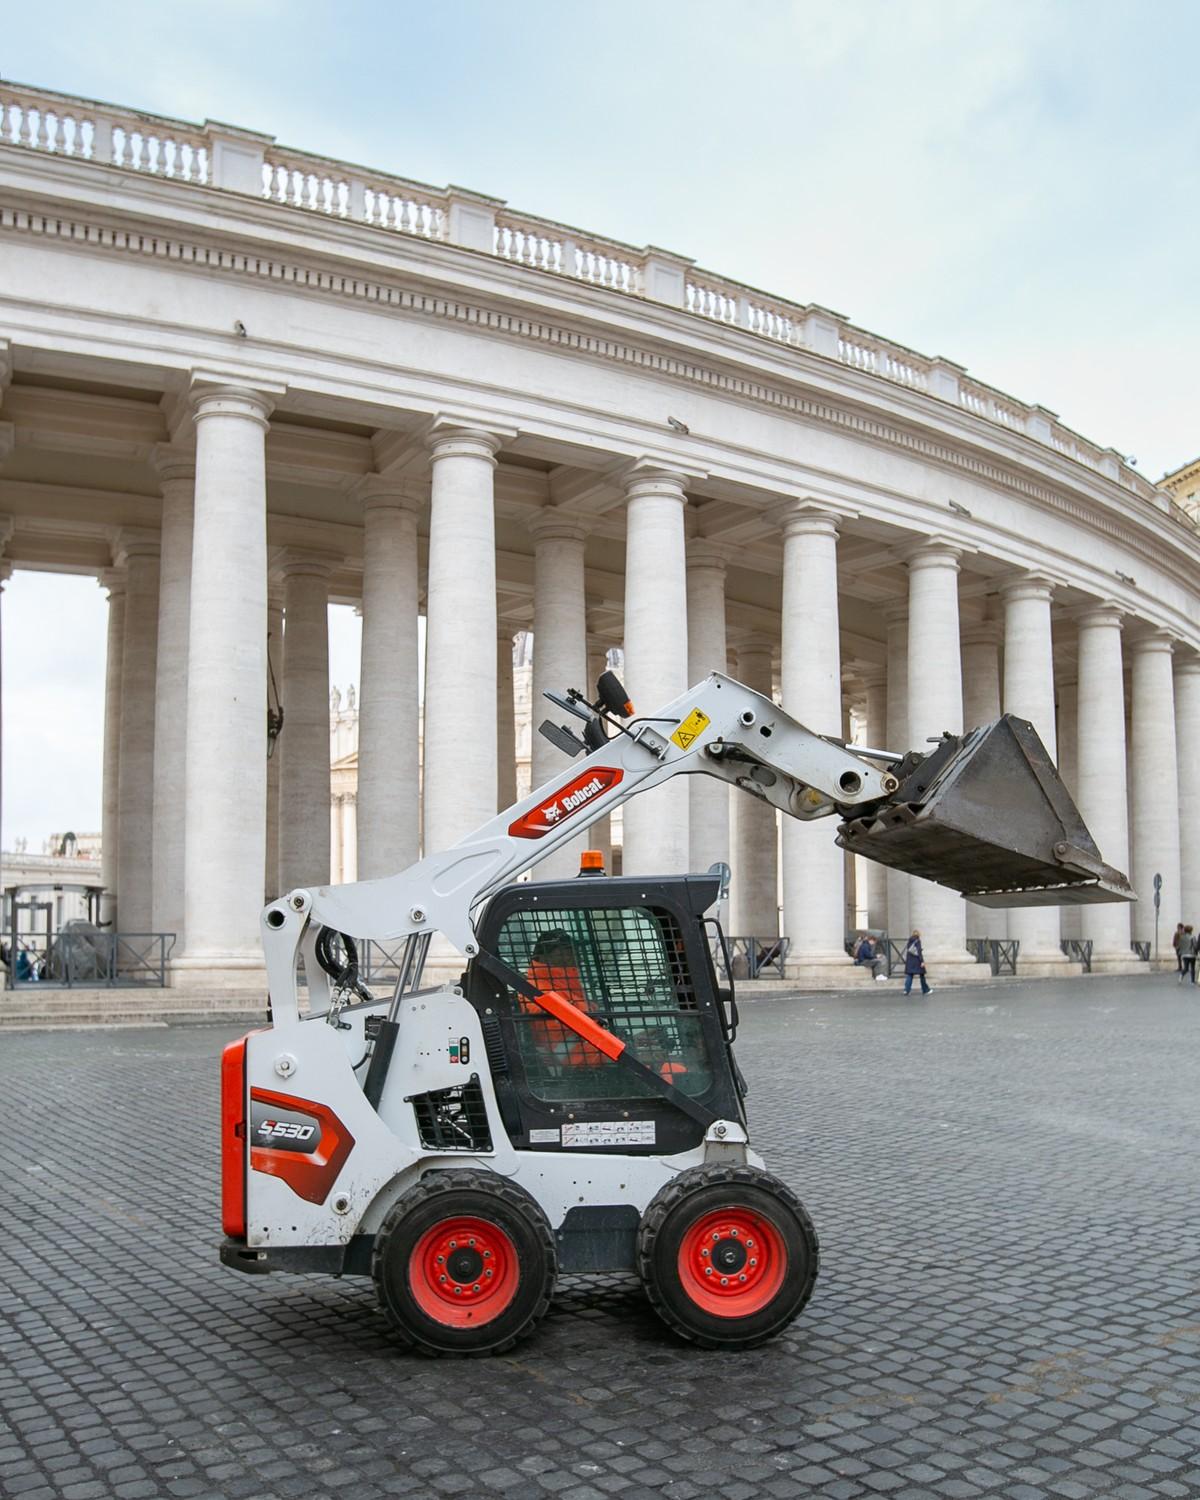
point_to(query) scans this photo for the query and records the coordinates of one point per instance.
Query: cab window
(626, 968)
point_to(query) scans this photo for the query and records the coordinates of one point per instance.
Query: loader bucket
(987, 814)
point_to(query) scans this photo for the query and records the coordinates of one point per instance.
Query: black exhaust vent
(453, 1119)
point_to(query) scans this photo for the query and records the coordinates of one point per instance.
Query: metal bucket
(987, 814)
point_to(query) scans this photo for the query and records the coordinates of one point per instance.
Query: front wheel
(728, 1256)
(464, 1263)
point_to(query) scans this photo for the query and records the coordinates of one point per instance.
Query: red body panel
(233, 1139)
(309, 1176)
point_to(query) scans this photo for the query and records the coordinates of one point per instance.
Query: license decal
(610, 1133)
(566, 802)
(544, 1137)
(691, 729)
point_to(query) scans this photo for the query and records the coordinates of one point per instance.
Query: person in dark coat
(914, 964)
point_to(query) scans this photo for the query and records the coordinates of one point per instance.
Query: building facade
(240, 381)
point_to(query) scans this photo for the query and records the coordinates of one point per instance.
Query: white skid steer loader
(572, 1104)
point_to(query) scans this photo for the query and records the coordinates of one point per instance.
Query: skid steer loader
(573, 1104)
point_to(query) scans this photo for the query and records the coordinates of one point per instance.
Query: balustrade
(60, 125)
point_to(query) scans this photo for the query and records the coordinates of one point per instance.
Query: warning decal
(609, 1133)
(691, 729)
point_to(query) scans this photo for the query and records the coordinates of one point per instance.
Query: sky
(1012, 184)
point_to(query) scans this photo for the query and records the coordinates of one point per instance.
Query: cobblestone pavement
(1005, 1181)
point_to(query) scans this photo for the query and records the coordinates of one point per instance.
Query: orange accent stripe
(579, 1022)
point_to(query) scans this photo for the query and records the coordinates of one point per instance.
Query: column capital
(895, 614)
(807, 517)
(872, 675)
(644, 480)
(134, 543)
(212, 395)
(173, 462)
(1101, 613)
(1150, 642)
(702, 553)
(1187, 662)
(982, 633)
(549, 524)
(378, 492)
(933, 552)
(296, 562)
(1031, 585)
(451, 437)
(113, 580)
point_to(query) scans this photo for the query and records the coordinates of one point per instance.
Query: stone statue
(335, 699)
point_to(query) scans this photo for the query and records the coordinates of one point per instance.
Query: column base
(218, 971)
(1047, 966)
(954, 967)
(1118, 963)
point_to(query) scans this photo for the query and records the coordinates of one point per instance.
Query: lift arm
(898, 810)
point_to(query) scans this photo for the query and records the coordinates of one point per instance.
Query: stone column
(1066, 697)
(1155, 783)
(506, 724)
(226, 760)
(559, 655)
(1187, 738)
(460, 640)
(388, 775)
(114, 581)
(274, 650)
(350, 871)
(896, 620)
(811, 681)
(708, 798)
(1029, 693)
(935, 704)
(139, 555)
(336, 849)
(981, 705)
(304, 744)
(177, 478)
(875, 716)
(754, 857)
(1100, 772)
(656, 823)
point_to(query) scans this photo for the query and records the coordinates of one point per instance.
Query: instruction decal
(691, 729)
(610, 1133)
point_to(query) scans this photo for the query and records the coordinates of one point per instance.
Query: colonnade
(195, 813)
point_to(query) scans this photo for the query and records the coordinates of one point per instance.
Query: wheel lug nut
(441, 1260)
(442, 1277)
(458, 1291)
(742, 1277)
(705, 1251)
(471, 1243)
(454, 1244)
(708, 1270)
(475, 1288)
(487, 1255)
(487, 1273)
(724, 1280)
(733, 1234)
(749, 1244)
(753, 1260)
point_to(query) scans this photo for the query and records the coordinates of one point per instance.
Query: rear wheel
(464, 1263)
(728, 1256)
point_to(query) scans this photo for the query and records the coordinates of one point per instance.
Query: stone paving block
(968, 1335)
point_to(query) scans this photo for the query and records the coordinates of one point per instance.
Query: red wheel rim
(463, 1272)
(732, 1262)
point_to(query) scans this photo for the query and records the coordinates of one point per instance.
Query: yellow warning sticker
(691, 729)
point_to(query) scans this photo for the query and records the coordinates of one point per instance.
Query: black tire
(447, 1306)
(717, 1211)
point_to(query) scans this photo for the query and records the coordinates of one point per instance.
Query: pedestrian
(914, 964)
(866, 954)
(1177, 944)
(1188, 950)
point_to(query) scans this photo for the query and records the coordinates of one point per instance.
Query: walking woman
(914, 964)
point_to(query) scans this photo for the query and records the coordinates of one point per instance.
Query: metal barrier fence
(1142, 950)
(754, 958)
(1000, 954)
(88, 960)
(1080, 949)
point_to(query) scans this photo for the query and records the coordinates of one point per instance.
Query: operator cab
(636, 956)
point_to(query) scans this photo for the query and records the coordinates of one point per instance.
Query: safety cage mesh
(626, 967)
(453, 1119)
